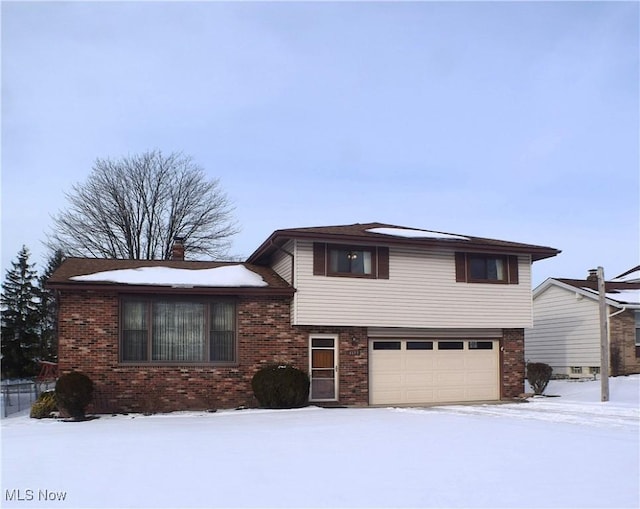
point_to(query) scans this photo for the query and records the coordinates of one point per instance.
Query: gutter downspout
(624, 308)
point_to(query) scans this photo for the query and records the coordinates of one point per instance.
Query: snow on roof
(226, 276)
(623, 296)
(415, 234)
(631, 276)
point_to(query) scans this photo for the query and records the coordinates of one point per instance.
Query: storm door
(323, 359)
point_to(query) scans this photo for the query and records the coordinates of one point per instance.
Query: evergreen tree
(49, 310)
(20, 318)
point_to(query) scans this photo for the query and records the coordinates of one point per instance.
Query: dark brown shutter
(513, 270)
(461, 267)
(383, 263)
(319, 259)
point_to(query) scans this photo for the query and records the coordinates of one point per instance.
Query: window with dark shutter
(319, 259)
(486, 268)
(383, 263)
(350, 261)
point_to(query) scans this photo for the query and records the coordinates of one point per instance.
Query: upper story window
(486, 268)
(172, 330)
(350, 261)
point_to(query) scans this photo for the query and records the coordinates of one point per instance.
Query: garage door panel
(480, 377)
(481, 394)
(450, 394)
(415, 372)
(419, 379)
(481, 362)
(424, 395)
(450, 361)
(387, 361)
(419, 362)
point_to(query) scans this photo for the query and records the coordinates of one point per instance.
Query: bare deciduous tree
(134, 207)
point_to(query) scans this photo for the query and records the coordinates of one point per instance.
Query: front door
(323, 360)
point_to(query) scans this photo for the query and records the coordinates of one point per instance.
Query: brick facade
(512, 368)
(89, 339)
(624, 357)
(88, 332)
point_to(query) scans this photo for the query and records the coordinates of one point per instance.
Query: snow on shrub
(281, 387)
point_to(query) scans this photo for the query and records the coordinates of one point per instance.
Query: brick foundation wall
(88, 342)
(513, 365)
(623, 353)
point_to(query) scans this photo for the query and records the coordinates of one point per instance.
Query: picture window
(173, 330)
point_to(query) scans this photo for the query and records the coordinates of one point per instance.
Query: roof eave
(176, 289)
(581, 291)
(537, 252)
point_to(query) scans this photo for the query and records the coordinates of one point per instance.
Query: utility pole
(604, 337)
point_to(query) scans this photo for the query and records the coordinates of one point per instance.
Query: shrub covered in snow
(538, 375)
(44, 405)
(73, 394)
(281, 387)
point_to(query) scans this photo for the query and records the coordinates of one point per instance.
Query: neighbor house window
(486, 268)
(168, 330)
(576, 370)
(637, 333)
(350, 261)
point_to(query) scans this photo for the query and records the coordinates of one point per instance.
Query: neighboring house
(376, 314)
(566, 325)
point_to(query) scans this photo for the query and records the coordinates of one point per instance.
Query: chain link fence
(19, 395)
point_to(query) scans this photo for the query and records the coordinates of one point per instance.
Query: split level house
(376, 314)
(566, 331)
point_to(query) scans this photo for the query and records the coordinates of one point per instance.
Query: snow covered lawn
(569, 451)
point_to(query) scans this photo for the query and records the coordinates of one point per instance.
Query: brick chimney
(177, 250)
(593, 275)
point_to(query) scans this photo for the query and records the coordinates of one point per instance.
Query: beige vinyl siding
(566, 330)
(421, 292)
(281, 262)
(395, 332)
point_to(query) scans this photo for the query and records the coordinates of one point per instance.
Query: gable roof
(387, 234)
(618, 294)
(168, 276)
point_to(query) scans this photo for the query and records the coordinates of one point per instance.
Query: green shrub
(281, 387)
(73, 393)
(538, 375)
(44, 405)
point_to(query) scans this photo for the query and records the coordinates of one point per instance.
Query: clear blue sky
(508, 120)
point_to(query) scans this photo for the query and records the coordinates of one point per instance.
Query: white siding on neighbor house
(421, 292)
(282, 263)
(566, 331)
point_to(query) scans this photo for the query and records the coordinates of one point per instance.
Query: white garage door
(413, 371)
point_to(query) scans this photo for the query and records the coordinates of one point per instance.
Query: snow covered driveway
(600, 416)
(570, 451)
